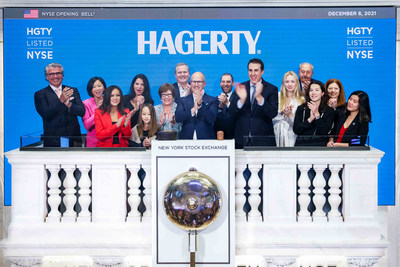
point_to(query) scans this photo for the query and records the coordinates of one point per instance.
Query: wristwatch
(317, 117)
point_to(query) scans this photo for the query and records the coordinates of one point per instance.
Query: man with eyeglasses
(197, 112)
(254, 104)
(225, 121)
(59, 105)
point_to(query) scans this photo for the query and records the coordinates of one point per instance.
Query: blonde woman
(289, 99)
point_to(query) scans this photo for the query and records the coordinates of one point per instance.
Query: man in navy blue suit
(59, 106)
(197, 112)
(254, 103)
(182, 86)
(225, 121)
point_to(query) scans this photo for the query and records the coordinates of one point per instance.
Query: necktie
(58, 92)
(252, 93)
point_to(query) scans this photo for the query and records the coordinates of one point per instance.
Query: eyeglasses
(196, 82)
(166, 95)
(55, 74)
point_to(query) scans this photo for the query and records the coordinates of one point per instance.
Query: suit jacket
(316, 132)
(105, 129)
(58, 119)
(177, 93)
(202, 122)
(356, 134)
(225, 122)
(256, 120)
(88, 122)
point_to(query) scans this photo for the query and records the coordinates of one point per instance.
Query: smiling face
(333, 90)
(197, 82)
(182, 74)
(290, 84)
(305, 72)
(55, 76)
(115, 98)
(315, 93)
(353, 103)
(146, 116)
(255, 72)
(166, 98)
(138, 86)
(98, 89)
(226, 84)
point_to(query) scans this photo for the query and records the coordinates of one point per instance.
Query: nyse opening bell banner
(354, 45)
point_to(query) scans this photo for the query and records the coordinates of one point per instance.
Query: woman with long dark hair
(138, 96)
(313, 119)
(352, 129)
(112, 121)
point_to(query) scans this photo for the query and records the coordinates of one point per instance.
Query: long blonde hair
(296, 94)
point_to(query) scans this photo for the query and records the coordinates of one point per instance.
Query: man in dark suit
(182, 86)
(306, 71)
(225, 121)
(59, 106)
(254, 103)
(197, 112)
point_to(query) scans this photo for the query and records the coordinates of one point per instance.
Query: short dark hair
(226, 74)
(256, 61)
(166, 87)
(363, 105)
(91, 82)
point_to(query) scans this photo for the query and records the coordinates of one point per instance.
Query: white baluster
(319, 199)
(240, 199)
(304, 194)
(69, 194)
(84, 191)
(254, 197)
(334, 198)
(54, 191)
(134, 194)
(147, 192)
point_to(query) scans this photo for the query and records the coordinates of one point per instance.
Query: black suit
(356, 134)
(58, 119)
(225, 122)
(256, 121)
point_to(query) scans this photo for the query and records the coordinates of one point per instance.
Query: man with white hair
(59, 105)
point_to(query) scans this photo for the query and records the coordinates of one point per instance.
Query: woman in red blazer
(112, 121)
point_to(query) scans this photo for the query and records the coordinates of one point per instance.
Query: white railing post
(54, 199)
(334, 191)
(304, 194)
(147, 191)
(84, 199)
(254, 197)
(134, 194)
(240, 199)
(319, 199)
(69, 194)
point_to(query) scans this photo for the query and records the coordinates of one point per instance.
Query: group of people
(304, 112)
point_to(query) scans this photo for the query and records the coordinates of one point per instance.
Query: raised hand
(240, 90)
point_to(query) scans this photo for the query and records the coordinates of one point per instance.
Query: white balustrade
(54, 199)
(254, 183)
(107, 231)
(69, 193)
(134, 194)
(147, 192)
(240, 199)
(304, 191)
(319, 190)
(84, 199)
(334, 198)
